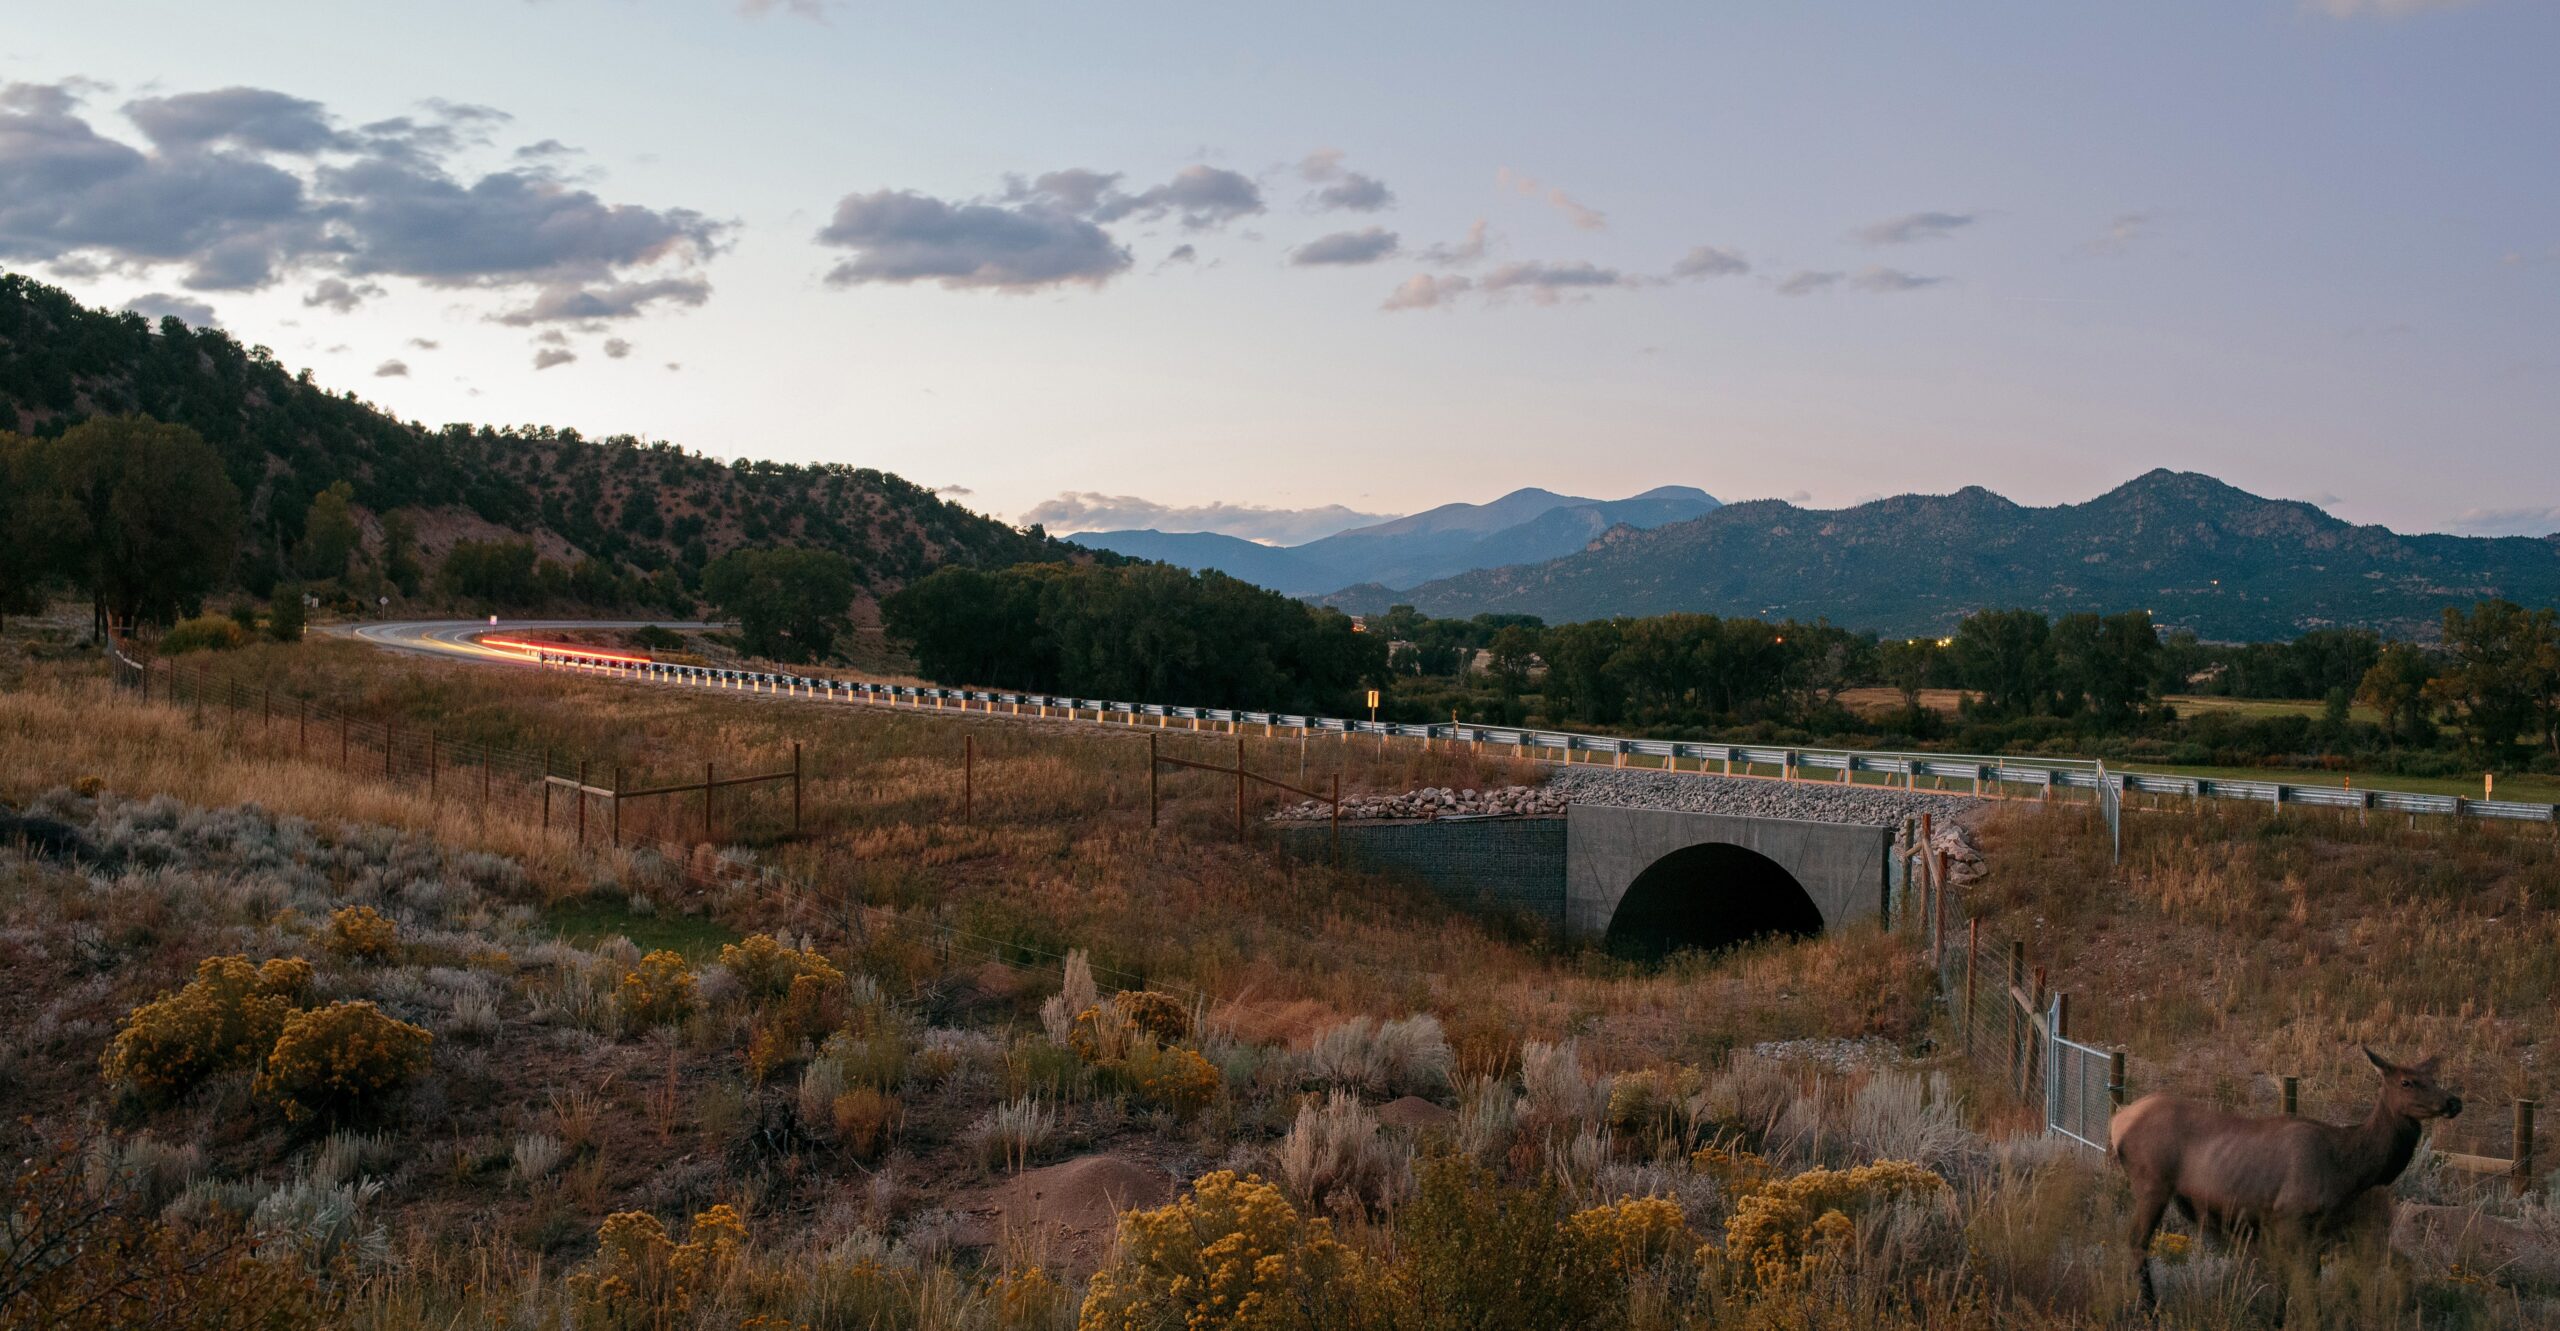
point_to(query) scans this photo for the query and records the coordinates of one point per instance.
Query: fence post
(2523, 1148)
(969, 777)
(1972, 963)
(617, 801)
(1240, 787)
(706, 804)
(2020, 1030)
(2115, 1078)
(1337, 820)
(545, 779)
(582, 801)
(267, 708)
(795, 787)
(2290, 1096)
(1151, 781)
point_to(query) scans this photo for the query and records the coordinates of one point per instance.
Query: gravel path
(1811, 801)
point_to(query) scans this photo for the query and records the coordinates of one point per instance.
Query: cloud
(899, 236)
(1346, 247)
(1076, 511)
(2120, 234)
(2353, 9)
(619, 300)
(1886, 281)
(339, 294)
(954, 491)
(391, 369)
(1075, 189)
(550, 356)
(1805, 282)
(616, 348)
(1710, 261)
(1344, 191)
(251, 118)
(2526, 521)
(425, 343)
(158, 305)
(1589, 219)
(1911, 227)
(1183, 253)
(1201, 196)
(815, 11)
(1465, 252)
(1546, 283)
(245, 187)
(1422, 291)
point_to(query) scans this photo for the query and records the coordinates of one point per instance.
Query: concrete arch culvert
(1709, 897)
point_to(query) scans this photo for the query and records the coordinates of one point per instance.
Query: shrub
(204, 633)
(360, 933)
(865, 1120)
(1334, 1157)
(1479, 1256)
(1157, 1015)
(1232, 1254)
(1101, 1035)
(1407, 1056)
(227, 1017)
(658, 992)
(767, 970)
(1170, 1077)
(1076, 994)
(1555, 1091)
(877, 1057)
(641, 1277)
(1007, 1136)
(1785, 1230)
(337, 1059)
(1631, 1236)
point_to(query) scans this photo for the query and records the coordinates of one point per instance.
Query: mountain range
(1522, 526)
(2196, 552)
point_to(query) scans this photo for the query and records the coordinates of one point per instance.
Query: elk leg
(2148, 1207)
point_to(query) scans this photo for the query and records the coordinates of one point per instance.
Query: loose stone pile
(1813, 801)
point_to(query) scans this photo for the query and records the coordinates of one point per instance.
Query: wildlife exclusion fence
(2013, 1022)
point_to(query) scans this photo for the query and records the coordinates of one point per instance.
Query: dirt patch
(1072, 1208)
(1415, 1112)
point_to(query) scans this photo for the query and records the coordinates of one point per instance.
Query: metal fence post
(2115, 1078)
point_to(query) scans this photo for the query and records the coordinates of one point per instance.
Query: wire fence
(2013, 1022)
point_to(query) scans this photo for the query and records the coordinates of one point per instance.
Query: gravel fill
(1810, 801)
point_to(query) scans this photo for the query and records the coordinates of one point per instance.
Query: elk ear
(2426, 1067)
(2380, 1064)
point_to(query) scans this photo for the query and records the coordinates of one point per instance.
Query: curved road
(458, 637)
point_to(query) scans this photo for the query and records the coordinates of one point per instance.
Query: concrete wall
(1507, 865)
(1840, 865)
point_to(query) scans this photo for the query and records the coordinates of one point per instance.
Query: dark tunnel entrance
(1709, 897)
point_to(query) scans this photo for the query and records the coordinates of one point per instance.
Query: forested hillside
(651, 514)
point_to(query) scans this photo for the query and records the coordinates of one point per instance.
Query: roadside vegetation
(414, 1063)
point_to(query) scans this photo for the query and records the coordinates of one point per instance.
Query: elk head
(2410, 1090)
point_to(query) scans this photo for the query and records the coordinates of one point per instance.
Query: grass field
(864, 1136)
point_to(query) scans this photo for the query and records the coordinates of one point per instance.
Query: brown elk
(2292, 1180)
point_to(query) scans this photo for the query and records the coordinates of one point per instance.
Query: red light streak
(557, 649)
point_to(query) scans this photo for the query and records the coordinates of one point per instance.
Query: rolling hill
(283, 439)
(2198, 553)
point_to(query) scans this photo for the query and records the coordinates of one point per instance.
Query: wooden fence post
(795, 787)
(2115, 1078)
(706, 804)
(545, 779)
(1151, 781)
(2523, 1147)
(2289, 1097)
(617, 802)
(582, 801)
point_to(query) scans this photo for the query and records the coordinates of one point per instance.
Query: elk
(2298, 1181)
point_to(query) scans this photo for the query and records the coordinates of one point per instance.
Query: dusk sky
(1167, 264)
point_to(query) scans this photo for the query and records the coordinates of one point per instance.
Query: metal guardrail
(1986, 774)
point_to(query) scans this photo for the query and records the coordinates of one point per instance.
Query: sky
(1274, 271)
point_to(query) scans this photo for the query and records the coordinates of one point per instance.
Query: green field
(2193, 704)
(590, 920)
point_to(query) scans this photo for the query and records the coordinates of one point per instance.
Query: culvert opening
(1708, 898)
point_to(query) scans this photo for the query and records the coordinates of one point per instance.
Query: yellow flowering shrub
(1633, 1234)
(360, 933)
(767, 970)
(1161, 1016)
(1232, 1256)
(227, 1017)
(1652, 1099)
(1172, 1077)
(658, 992)
(1029, 1299)
(1736, 1171)
(865, 1120)
(1102, 1035)
(640, 1277)
(1785, 1230)
(334, 1059)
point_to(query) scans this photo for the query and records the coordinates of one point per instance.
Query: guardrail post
(2289, 1097)
(2523, 1147)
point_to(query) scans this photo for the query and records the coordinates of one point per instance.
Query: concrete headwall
(1842, 866)
(1506, 865)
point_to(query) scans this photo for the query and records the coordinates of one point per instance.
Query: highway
(455, 637)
